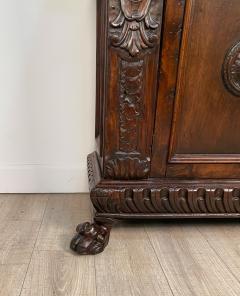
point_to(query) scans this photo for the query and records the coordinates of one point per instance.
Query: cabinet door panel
(205, 138)
(207, 112)
(171, 41)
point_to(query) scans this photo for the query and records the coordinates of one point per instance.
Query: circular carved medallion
(231, 70)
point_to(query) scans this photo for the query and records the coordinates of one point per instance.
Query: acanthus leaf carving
(164, 197)
(127, 166)
(135, 28)
(167, 200)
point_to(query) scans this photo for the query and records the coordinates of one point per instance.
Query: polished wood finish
(129, 86)
(92, 238)
(168, 109)
(172, 33)
(196, 137)
(164, 197)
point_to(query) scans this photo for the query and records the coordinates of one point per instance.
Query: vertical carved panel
(131, 103)
(134, 39)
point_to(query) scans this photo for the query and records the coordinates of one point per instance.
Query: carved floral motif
(131, 103)
(127, 166)
(231, 70)
(135, 28)
(128, 163)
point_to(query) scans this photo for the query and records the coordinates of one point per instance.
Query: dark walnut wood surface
(167, 114)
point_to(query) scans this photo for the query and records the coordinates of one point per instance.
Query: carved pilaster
(134, 39)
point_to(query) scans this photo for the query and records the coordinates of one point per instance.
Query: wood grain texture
(129, 266)
(162, 196)
(62, 214)
(101, 81)
(151, 199)
(179, 259)
(17, 241)
(167, 113)
(23, 207)
(200, 145)
(190, 264)
(11, 279)
(170, 53)
(224, 239)
(55, 273)
(131, 47)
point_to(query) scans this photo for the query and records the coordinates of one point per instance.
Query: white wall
(47, 94)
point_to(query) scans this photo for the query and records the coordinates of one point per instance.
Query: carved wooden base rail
(163, 198)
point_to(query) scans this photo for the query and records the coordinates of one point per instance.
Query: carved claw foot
(92, 238)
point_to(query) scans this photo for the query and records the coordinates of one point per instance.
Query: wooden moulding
(150, 199)
(162, 198)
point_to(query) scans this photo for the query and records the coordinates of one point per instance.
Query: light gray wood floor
(142, 259)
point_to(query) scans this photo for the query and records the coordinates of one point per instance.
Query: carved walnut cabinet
(167, 114)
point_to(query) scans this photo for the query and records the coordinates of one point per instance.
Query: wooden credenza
(167, 114)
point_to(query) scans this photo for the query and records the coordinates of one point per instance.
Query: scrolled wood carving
(231, 70)
(175, 197)
(168, 200)
(135, 29)
(128, 162)
(127, 166)
(131, 108)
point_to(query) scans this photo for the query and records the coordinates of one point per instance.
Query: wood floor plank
(55, 273)
(62, 215)
(191, 266)
(224, 238)
(180, 259)
(129, 266)
(17, 241)
(29, 207)
(11, 279)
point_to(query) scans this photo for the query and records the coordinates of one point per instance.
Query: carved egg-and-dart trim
(135, 27)
(231, 70)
